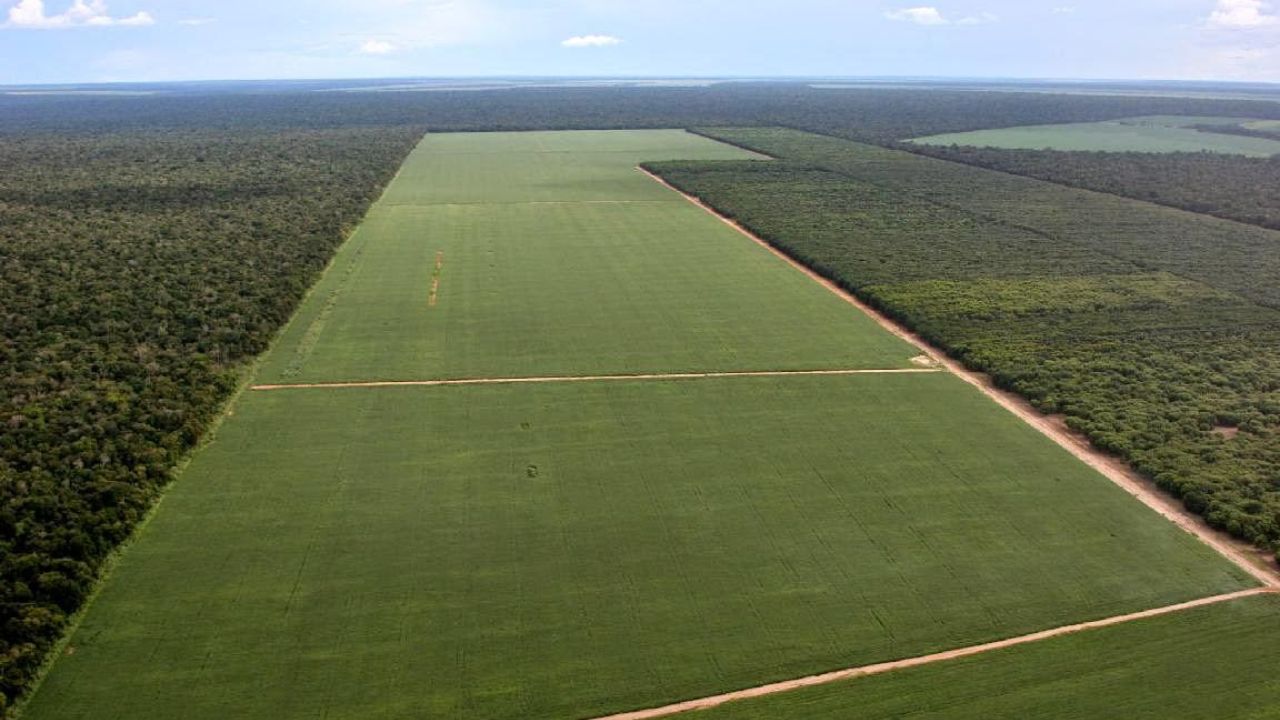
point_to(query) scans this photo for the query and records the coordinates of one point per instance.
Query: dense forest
(1151, 331)
(1234, 187)
(877, 115)
(138, 273)
(151, 245)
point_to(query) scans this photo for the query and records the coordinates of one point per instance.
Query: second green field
(518, 254)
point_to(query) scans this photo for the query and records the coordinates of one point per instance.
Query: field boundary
(595, 378)
(1248, 558)
(902, 664)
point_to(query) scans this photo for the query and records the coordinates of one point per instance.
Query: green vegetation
(1212, 663)
(871, 114)
(1142, 134)
(571, 549)
(530, 228)
(151, 244)
(1151, 330)
(513, 551)
(138, 273)
(1233, 187)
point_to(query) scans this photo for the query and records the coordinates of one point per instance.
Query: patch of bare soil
(1226, 431)
(435, 279)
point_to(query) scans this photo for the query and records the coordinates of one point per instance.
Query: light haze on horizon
(57, 41)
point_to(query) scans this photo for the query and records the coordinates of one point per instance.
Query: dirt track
(878, 668)
(1247, 557)
(593, 378)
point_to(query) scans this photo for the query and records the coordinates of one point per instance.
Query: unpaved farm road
(884, 667)
(593, 378)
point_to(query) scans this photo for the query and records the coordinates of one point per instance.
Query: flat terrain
(519, 231)
(572, 549)
(1212, 663)
(569, 549)
(1157, 134)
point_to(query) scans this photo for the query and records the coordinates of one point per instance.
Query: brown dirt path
(1250, 559)
(593, 378)
(884, 667)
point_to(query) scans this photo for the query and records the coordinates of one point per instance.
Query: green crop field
(563, 550)
(1157, 134)
(573, 549)
(531, 228)
(1211, 663)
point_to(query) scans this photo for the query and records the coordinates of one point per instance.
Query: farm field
(1210, 663)
(519, 230)
(569, 549)
(573, 549)
(1155, 134)
(1150, 330)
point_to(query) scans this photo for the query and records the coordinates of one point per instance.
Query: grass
(567, 550)
(538, 228)
(1147, 134)
(1212, 663)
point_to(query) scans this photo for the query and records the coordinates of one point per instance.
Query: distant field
(1159, 134)
(563, 550)
(1213, 663)
(532, 228)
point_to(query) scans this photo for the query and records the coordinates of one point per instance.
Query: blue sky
(142, 40)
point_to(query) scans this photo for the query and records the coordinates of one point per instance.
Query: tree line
(138, 274)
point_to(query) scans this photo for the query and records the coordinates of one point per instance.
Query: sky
(59, 41)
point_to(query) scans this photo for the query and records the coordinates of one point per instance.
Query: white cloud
(979, 19)
(1242, 14)
(377, 47)
(581, 41)
(31, 15)
(928, 15)
(918, 15)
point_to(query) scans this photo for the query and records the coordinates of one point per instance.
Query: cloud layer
(582, 41)
(31, 15)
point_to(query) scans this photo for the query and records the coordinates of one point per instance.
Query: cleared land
(1151, 330)
(1158, 134)
(1212, 663)
(574, 549)
(531, 229)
